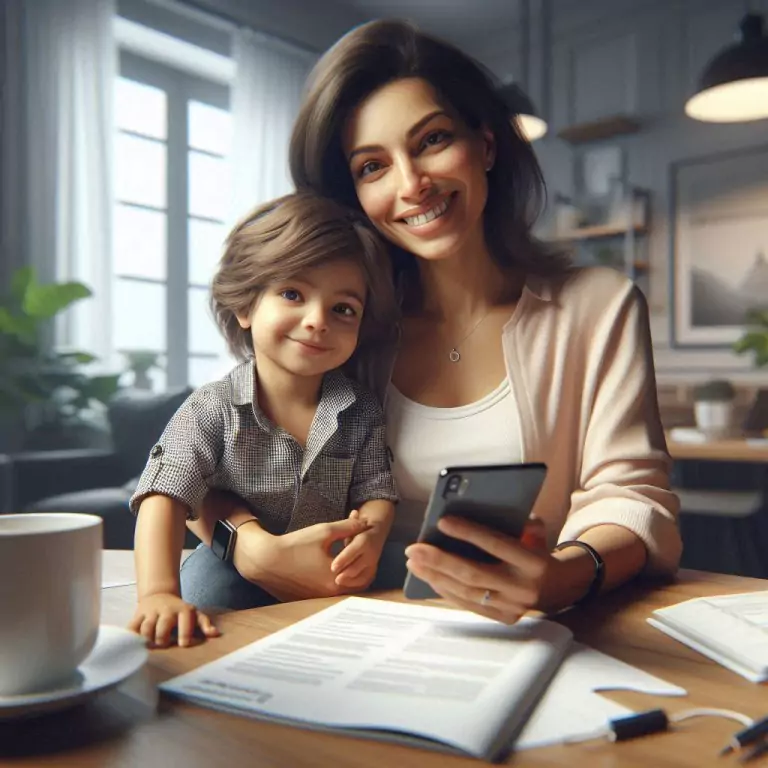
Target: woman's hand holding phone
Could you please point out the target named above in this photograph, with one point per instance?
(504, 590)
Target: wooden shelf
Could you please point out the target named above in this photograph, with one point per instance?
(596, 231)
(605, 128)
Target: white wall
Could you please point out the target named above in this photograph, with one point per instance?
(639, 57)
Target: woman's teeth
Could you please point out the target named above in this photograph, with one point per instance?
(425, 218)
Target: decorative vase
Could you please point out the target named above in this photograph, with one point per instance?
(713, 408)
(714, 418)
(141, 380)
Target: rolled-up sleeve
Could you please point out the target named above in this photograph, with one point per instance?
(625, 467)
(187, 453)
(372, 474)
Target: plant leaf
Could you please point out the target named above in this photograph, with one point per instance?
(751, 341)
(20, 281)
(79, 358)
(20, 326)
(48, 300)
(101, 388)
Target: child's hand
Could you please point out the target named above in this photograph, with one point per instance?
(355, 566)
(158, 615)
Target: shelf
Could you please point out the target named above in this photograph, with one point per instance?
(605, 128)
(597, 231)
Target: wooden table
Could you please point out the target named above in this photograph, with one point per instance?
(720, 450)
(130, 727)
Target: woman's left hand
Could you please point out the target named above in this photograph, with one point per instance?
(502, 591)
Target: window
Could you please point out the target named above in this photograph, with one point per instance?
(173, 187)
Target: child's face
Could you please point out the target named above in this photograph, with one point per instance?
(309, 325)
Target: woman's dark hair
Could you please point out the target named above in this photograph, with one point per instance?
(287, 236)
(380, 52)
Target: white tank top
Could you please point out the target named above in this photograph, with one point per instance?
(425, 440)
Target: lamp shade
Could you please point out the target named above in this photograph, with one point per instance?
(734, 86)
(521, 109)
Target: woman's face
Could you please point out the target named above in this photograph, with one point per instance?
(419, 172)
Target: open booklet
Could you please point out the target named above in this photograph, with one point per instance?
(730, 629)
(417, 674)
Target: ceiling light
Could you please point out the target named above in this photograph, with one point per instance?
(734, 86)
(522, 110)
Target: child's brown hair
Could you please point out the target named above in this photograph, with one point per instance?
(286, 236)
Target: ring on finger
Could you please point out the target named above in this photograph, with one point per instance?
(486, 598)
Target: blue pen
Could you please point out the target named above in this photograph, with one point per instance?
(748, 736)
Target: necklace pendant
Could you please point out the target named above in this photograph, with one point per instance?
(454, 355)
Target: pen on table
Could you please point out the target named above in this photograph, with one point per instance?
(756, 751)
(748, 736)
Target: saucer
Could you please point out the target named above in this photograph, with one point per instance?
(117, 654)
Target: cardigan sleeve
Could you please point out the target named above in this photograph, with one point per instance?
(625, 467)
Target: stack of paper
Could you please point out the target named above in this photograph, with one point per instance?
(730, 629)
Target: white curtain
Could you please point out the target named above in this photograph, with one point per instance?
(265, 99)
(70, 62)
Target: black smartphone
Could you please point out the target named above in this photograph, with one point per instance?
(499, 496)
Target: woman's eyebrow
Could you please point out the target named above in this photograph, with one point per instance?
(414, 129)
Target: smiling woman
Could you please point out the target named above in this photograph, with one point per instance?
(505, 354)
(393, 112)
(424, 186)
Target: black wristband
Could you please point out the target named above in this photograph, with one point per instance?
(599, 577)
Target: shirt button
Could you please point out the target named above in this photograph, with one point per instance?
(157, 450)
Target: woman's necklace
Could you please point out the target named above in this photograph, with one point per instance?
(454, 356)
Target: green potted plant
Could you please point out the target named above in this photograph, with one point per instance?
(754, 341)
(140, 363)
(713, 407)
(44, 393)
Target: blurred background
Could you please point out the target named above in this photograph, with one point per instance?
(134, 132)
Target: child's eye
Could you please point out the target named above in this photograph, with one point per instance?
(289, 294)
(346, 310)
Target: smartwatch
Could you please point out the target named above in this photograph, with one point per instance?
(223, 541)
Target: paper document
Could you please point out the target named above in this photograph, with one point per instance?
(572, 707)
(730, 629)
(445, 677)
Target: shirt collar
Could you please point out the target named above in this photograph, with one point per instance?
(243, 382)
(337, 389)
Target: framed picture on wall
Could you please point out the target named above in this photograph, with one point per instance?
(719, 245)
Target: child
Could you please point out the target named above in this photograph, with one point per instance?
(303, 290)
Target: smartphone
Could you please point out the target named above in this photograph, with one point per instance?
(499, 496)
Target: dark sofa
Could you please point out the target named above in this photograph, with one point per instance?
(96, 481)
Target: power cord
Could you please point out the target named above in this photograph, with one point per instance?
(656, 721)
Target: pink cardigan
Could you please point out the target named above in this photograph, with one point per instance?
(579, 359)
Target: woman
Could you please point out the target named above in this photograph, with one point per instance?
(506, 354)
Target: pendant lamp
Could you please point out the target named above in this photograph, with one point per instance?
(734, 86)
(521, 108)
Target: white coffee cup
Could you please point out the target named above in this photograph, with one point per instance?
(50, 598)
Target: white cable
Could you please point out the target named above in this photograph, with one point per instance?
(714, 712)
(688, 714)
